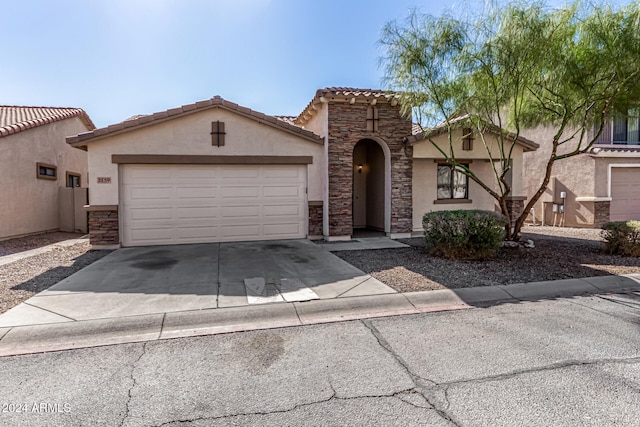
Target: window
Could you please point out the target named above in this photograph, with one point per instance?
(73, 179)
(46, 171)
(452, 184)
(625, 128)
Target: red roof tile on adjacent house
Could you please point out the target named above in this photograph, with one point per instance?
(14, 119)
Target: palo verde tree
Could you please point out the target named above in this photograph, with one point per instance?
(515, 67)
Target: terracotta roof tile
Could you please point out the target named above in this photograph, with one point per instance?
(287, 119)
(351, 91)
(14, 119)
(331, 93)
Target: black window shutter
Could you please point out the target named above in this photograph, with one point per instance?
(217, 133)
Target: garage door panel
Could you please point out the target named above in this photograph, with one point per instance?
(625, 194)
(281, 191)
(196, 192)
(152, 176)
(148, 192)
(212, 203)
(197, 233)
(281, 172)
(281, 229)
(237, 192)
(239, 173)
(241, 211)
(192, 212)
(144, 214)
(151, 235)
(282, 210)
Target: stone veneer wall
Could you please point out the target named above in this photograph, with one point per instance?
(347, 125)
(315, 218)
(515, 207)
(601, 213)
(103, 227)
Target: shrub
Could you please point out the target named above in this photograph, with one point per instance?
(464, 234)
(622, 238)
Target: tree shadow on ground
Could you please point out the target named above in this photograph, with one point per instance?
(553, 258)
(54, 275)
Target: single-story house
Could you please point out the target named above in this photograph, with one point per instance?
(589, 189)
(215, 171)
(41, 175)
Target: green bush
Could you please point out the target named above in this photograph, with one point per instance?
(622, 238)
(464, 234)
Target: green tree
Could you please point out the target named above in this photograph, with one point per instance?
(515, 67)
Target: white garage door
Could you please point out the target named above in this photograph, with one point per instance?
(173, 204)
(625, 194)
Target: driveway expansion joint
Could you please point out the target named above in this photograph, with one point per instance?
(49, 311)
(164, 316)
(367, 277)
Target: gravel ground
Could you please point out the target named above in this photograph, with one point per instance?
(21, 244)
(22, 279)
(559, 253)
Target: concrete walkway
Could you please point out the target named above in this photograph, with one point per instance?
(151, 293)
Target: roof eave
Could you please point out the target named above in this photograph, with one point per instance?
(81, 140)
(525, 143)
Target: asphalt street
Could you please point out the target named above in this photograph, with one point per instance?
(573, 361)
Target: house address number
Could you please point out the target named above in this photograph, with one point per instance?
(104, 180)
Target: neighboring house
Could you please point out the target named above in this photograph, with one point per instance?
(35, 163)
(599, 186)
(215, 171)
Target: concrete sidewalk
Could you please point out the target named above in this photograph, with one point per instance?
(126, 329)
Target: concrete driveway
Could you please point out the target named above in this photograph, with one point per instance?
(162, 279)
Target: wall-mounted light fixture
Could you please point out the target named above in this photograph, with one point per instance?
(360, 168)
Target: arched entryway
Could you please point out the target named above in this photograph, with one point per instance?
(371, 168)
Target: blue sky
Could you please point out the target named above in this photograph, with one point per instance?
(117, 58)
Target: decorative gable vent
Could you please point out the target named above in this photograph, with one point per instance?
(217, 133)
(372, 119)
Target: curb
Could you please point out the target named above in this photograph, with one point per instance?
(20, 340)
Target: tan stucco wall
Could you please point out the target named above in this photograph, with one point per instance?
(576, 176)
(190, 135)
(28, 204)
(425, 190)
(319, 124)
(425, 174)
(426, 150)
